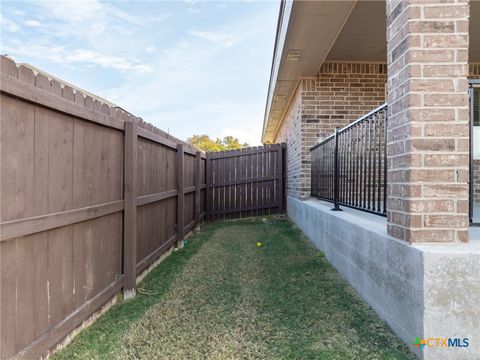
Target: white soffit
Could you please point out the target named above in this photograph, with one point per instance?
(364, 36)
(311, 32)
(308, 30)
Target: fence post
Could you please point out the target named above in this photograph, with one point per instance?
(208, 199)
(198, 164)
(336, 207)
(130, 210)
(180, 197)
(279, 176)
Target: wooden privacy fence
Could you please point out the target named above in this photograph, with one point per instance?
(90, 197)
(246, 182)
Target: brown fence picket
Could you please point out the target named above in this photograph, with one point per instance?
(246, 182)
(98, 197)
(102, 196)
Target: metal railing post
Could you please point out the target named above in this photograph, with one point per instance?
(345, 169)
(336, 176)
(470, 163)
(385, 161)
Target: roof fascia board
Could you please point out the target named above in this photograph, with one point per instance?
(282, 27)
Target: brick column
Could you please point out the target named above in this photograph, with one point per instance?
(428, 145)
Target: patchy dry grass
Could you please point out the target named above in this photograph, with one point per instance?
(231, 299)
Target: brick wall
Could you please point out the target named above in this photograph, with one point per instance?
(340, 94)
(474, 71)
(291, 133)
(428, 144)
(476, 179)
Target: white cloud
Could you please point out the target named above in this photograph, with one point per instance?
(101, 24)
(73, 11)
(81, 11)
(17, 12)
(184, 91)
(251, 135)
(217, 37)
(232, 34)
(8, 24)
(180, 82)
(33, 23)
(157, 18)
(62, 55)
(106, 61)
(149, 49)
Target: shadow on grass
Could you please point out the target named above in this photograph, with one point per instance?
(320, 314)
(242, 289)
(100, 339)
(260, 290)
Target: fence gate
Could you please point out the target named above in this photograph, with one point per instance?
(246, 182)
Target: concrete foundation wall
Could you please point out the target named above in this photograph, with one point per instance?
(410, 287)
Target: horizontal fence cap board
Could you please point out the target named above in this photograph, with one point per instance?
(50, 85)
(44, 98)
(69, 105)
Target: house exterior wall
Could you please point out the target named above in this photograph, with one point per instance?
(340, 94)
(425, 289)
(291, 134)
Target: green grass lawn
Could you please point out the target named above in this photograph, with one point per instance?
(224, 297)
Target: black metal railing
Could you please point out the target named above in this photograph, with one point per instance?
(349, 167)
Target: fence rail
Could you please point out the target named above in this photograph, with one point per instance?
(246, 182)
(349, 167)
(91, 196)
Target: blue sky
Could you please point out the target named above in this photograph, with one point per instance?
(188, 67)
